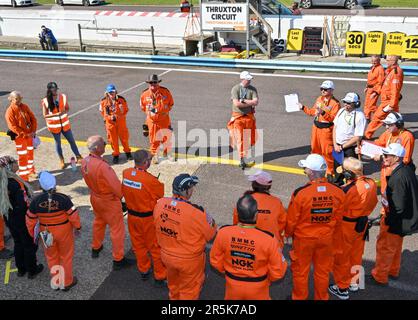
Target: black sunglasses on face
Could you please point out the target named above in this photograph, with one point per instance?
(324, 89)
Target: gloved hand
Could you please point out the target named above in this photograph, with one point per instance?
(388, 108)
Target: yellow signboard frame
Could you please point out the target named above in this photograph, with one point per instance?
(375, 41)
(354, 45)
(294, 40)
(394, 43)
(410, 47)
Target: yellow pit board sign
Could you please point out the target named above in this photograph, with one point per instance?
(410, 48)
(355, 43)
(294, 40)
(375, 41)
(394, 41)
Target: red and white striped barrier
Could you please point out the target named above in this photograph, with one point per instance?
(111, 13)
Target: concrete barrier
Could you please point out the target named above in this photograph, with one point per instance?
(169, 30)
(201, 62)
(169, 27)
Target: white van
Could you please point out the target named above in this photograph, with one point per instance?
(79, 2)
(17, 3)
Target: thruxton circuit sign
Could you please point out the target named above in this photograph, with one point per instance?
(224, 17)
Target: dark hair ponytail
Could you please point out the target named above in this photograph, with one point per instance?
(50, 99)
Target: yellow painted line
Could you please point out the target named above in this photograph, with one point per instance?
(9, 270)
(213, 160)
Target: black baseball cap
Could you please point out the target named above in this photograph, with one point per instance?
(183, 182)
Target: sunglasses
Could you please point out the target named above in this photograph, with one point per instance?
(325, 89)
(153, 82)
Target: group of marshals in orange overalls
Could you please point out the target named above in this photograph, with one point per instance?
(325, 224)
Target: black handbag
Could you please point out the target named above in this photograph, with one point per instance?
(11, 134)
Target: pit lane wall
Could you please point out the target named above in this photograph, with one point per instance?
(169, 27)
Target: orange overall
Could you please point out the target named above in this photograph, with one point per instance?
(388, 254)
(314, 212)
(114, 114)
(389, 95)
(141, 191)
(360, 201)
(375, 79)
(271, 215)
(60, 219)
(22, 121)
(250, 259)
(183, 229)
(157, 106)
(105, 198)
(321, 138)
(242, 130)
(403, 137)
(1, 233)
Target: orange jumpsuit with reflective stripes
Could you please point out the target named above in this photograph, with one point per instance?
(271, 215)
(157, 106)
(321, 138)
(389, 95)
(375, 79)
(312, 216)
(183, 229)
(360, 201)
(22, 121)
(403, 137)
(57, 120)
(141, 191)
(105, 198)
(250, 258)
(60, 219)
(114, 114)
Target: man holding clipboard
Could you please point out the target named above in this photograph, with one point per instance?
(349, 126)
(395, 133)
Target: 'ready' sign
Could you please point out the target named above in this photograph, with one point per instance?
(224, 17)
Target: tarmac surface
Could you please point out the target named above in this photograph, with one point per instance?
(372, 11)
(202, 100)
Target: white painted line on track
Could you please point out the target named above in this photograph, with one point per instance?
(274, 75)
(97, 103)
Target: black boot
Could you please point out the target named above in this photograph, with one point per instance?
(242, 164)
(146, 275)
(129, 156)
(95, 252)
(38, 270)
(75, 281)
(122, 264)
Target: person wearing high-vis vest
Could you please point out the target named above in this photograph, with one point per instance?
(55, 111)
(22, 126)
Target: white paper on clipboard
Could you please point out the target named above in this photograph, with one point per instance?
(369, 149)
(292, 101)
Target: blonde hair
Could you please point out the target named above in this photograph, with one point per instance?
(5, 174)
(13, 95)
(354, 165)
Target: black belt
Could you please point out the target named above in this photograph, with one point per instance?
(54, 225)
(350, 219)
(323, 125)
(245, 279)
(140, 214)
(366, 231)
